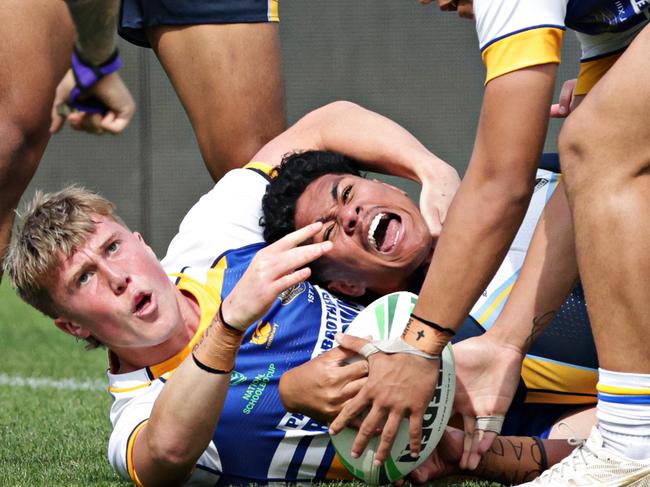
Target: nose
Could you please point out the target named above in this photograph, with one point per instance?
(117, 278)
(349, 218)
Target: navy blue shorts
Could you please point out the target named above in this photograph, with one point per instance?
(135, 15)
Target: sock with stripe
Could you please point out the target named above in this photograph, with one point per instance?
(623, 413)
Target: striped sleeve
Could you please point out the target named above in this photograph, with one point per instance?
(518, 34)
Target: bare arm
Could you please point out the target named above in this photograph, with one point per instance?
(186, 413)
(480, 226)
(96, 26)
(511, 460)
(376, 141)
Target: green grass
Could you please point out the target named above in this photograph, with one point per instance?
(56, 437)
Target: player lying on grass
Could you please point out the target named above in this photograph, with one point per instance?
(74, 260)
(160, 439)
(379, 247)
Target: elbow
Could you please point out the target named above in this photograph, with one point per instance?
(172, 454)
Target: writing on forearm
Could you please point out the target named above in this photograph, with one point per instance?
(96, 24)
(511, 460)
(539, 325)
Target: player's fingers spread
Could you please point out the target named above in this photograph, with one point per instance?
(351, 409)
(415, 433)
(290, 280)
(388, 435)
(297, 237)
(369, 428)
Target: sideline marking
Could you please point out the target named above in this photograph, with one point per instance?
(47, 382)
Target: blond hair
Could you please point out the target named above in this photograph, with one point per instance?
(51, 228)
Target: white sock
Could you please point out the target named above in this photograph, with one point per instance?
(623, 413)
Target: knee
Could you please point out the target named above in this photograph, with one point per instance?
(21, 146)
(574, 148)
(224, 154)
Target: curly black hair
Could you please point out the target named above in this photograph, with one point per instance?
(291, 179)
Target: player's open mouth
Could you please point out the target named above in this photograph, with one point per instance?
(142, 304)
(384, 231)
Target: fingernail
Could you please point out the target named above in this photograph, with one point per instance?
(562, 110)
(376, 463)
(354, 454)
(415, 455)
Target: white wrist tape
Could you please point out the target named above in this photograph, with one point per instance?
(394, 345)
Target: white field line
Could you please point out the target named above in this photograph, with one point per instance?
(50, 383)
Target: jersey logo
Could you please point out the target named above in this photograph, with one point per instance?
(237, 378)
(292, 293)
(256, 388)
(540, 183)
(264, 334)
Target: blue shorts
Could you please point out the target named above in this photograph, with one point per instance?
(136, 15)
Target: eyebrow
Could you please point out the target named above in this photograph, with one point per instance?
(70, 284)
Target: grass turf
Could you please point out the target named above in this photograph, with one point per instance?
(56, 436)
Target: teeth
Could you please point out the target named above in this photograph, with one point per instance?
(373, 226)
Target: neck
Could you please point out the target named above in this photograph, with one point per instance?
(136, 358)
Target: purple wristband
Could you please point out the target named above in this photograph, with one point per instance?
(86, 76)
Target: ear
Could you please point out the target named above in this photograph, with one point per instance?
(347, 288)
(71, 328)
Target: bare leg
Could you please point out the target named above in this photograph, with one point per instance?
(579, 422)
(229, 79)
(36, 39)
(606, 161)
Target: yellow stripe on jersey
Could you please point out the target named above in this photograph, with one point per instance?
(521, 50)
(129, 453)
(260, 166)
(128, 389)
(337, 470)
(592, 71)
(557, 383)
(274, 13)
(495, 304)
(622, 390)
(209, 301)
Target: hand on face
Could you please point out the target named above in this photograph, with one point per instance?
(274, 269)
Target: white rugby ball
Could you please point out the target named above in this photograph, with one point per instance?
(383, 319)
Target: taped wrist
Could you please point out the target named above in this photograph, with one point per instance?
(394, 345)
(217, 349)
(86, 76)
(424, 337)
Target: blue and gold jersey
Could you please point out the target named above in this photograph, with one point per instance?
(279, 446)
(515, 34)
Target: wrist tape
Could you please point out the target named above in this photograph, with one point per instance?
(394, 345)
(424, 337)
(217, 349)
(86, 76)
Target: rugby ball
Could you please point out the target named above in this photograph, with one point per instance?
(383, 319)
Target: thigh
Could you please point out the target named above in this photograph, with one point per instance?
(36, 39)
(229, 79)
